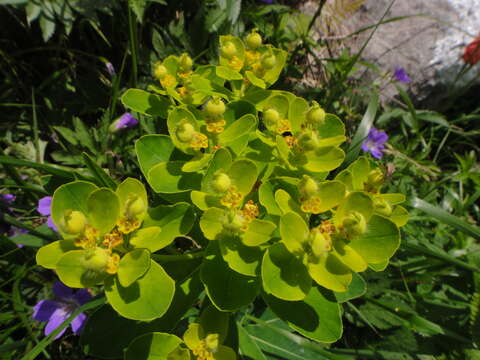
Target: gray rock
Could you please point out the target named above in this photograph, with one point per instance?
(429, 44)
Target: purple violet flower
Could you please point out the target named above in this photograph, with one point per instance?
(375, 142)
(55, 312)
(44, 208)
(267, 1)
(8, 198)
(125, 121)
(401, 75)
(110, 69)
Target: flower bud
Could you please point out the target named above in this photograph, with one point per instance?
(307, 186)
(375, 178)
(74, 222)
(271, 117)
(307, 142)
(185, 62)
(215, 107)
(269, 61)
(316, 115)
(320, 244)
(354, 223)
(160, 71)
(96, 259)
(185, 132)
(382, 207)
(228, 50)
(221, 182)
(254, 40)
(135, 206)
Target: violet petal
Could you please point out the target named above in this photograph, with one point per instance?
(44, 205)
(78, 323)
(44, 309)
(61, 291)
(57, 318)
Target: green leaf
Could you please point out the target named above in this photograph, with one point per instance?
(323, 159)
(83, 135)
(103, 209)
(71, 196)
(286, 203)
(48, 255)
(152, 150)
(243, 174)
(153, 346)
(238, 128)
(212, 222)
(174, 220)
(317, 317)
(294, 232)
(146, 103)
(168, 177)
(132, 266)
(330, 272)
(226, 73)
(399, 216)
(72, 272)
(213, 321)
(150, 238)
(266, 197)
(379, 242)
(146, 299)
(284, 275)
(248, 346)
(255, 80)
(258, 232)
(357, 288)
(239, 257)
(227, 289)
(48, 27)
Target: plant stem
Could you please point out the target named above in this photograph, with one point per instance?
(172, 258)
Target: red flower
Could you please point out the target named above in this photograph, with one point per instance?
(471, 55)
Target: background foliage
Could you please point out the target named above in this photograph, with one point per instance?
(58, 101)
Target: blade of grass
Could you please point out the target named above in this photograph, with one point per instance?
(103, 178)
(362, 131)
(51, 169)
(443, 216)
(35, 128)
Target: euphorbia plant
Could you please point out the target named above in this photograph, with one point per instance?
(249, 176)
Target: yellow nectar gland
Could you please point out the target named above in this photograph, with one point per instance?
(112, 264)
(235, 63)
(252, 57)
(311, 205)
(89, 238)
(250, 212)
(291, 141)
(185, 74)
(199, 141)
(283, 126)
(126, 225)
(216, 127)
(232, 198)
(258, 69)
(113, 239)
(168, 81)
(206, 348)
